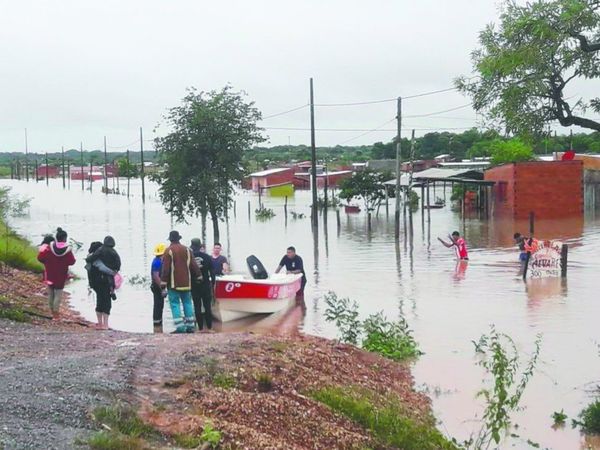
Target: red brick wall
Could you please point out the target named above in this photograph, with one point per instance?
(503, 190)
(551, 189)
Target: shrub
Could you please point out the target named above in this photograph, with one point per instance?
(344, 313)
(264, 213)
(393, 340)
(210, 436)
(559, 418)
(589, 418)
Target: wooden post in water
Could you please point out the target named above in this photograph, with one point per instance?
(398, 167)
(564, 252)
(313, 159)
(142, 166)
(531, 223)
(105, 168)
(128, 173)
(91, 174)
(27, 158)
(422, 199)
(428, 205)
(63, 165)
(47, 175)
(337, 218)
(249, 215)
(285, 206)
(234, 209)
(81, 154)
(36, 170)
(464, 196)
(69, 172)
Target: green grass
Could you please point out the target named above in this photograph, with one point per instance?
(224, 381)
(384, 418)
(188, 441)
(17, 252)
(209, 436)
(13, 313)
(124, 420)
(104, 440)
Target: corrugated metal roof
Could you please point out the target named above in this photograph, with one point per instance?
(267, 172)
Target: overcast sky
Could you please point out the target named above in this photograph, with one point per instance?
(76, 70)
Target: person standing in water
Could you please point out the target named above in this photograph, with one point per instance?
(202, 287)
(158, 293)
(56, 256)
(103, 283)
(526, 245)
(178, 269)
(219, 262)
(293, 264)
(459, 244)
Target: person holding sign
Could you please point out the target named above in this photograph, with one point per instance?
(526, 244)
(459, 244)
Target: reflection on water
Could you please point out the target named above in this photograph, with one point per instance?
(447, 304)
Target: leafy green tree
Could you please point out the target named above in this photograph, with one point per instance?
(202, 155)
(126, 168)
(367, 185)
(513, 150)
(525, 64)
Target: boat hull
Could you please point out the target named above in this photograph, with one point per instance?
(238, 297)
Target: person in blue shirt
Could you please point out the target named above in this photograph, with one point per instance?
(157, 292)
(293, 264)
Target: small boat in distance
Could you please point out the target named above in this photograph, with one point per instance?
(239, 295)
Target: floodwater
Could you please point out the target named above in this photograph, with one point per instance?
(448, 305)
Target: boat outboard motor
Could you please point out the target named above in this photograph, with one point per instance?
(256, 268)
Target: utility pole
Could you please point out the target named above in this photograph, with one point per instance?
(105, 169)
(63, 165)
(313, 158)
(571, 144)
(82, 177)
(398, 167)
(142, 166)
(128, 172)
(26, 157)
(47, 175)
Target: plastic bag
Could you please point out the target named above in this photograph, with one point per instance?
(118, 280)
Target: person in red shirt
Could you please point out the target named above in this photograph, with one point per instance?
(56, 257)
(459, 245)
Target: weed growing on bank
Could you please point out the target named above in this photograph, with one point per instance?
(501, 360)
(391, 339)
(384, 417)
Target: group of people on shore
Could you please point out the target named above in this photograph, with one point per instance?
(186, 277)
(183, 275)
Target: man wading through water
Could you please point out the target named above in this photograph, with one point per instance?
(202, 287)
(179, 267)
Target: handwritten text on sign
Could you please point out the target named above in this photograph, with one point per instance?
(546, 260)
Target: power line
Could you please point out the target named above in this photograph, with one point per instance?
(285, 112)
(437, 112)
(408, 97)
(365, 129)
(367, 132)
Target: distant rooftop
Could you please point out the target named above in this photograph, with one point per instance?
(264, 173)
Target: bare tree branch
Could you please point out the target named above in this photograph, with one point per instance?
(585, 45)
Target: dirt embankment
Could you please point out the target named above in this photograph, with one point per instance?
(255, 389)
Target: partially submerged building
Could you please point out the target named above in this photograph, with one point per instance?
(549, 189)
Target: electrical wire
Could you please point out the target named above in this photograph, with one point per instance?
(365, 129)
(367, 132)
(285, 112)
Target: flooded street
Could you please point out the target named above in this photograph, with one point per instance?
(448, 305)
